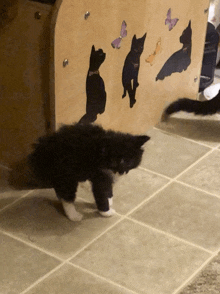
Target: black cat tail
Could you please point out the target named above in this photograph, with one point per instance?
(208, 107)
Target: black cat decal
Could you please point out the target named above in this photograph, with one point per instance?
(181, 59)
(131, 68)
(95, 88)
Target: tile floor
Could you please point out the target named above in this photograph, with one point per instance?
(167, 226)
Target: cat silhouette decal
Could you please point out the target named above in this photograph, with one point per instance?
(131, 68)
(95, 88)
(181, 59)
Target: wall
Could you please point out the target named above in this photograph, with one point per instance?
(74, 37)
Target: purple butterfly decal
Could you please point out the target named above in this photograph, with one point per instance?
(169, 21)
(117, 42)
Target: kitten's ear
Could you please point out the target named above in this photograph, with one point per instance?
(93, 48)
(140, 140)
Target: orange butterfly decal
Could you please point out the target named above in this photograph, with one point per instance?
(151, 58)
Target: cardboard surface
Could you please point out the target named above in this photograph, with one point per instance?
(74, 37)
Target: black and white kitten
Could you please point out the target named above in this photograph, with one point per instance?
(76, 153)
(208, 107)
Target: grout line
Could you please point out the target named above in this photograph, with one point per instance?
(179, 181)
(101, 277)
(170, 235)
(15, 201)
(198, 189)
(11, 235)
(42, 278)
(122, 217)
(153, 172)
(67, 261)
(148, 199)
(193, 164)
(186, 282)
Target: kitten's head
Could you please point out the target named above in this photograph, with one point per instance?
(123, 152)
(97, 57)
(137, 45)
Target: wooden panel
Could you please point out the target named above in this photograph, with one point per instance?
(24, 79)
(74, 37)
(29, 45)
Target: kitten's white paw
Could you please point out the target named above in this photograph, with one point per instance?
(76, 217)
(108, 213)
(71, 212)
(110, 201)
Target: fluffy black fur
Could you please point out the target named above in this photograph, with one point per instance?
(78, 152)
(208, 107)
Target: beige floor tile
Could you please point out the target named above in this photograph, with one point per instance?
(204, 130)
(130, 190)
(40, 219)
(141, 259)
(205, 174)
(186, 213)
(70, 280)
(21, 265)
(169, 155)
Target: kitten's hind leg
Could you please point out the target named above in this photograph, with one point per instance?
(102, 190)
(70, 211)
(67, 194)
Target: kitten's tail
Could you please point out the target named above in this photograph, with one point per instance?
(208, 107)
(21, 177)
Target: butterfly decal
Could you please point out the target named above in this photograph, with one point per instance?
(170, 22)
(117, 42)
(151, 58)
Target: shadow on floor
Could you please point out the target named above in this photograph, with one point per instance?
(195, 129)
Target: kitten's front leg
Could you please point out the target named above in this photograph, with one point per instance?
(102, 190)
(110, 201)
(108, 213)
